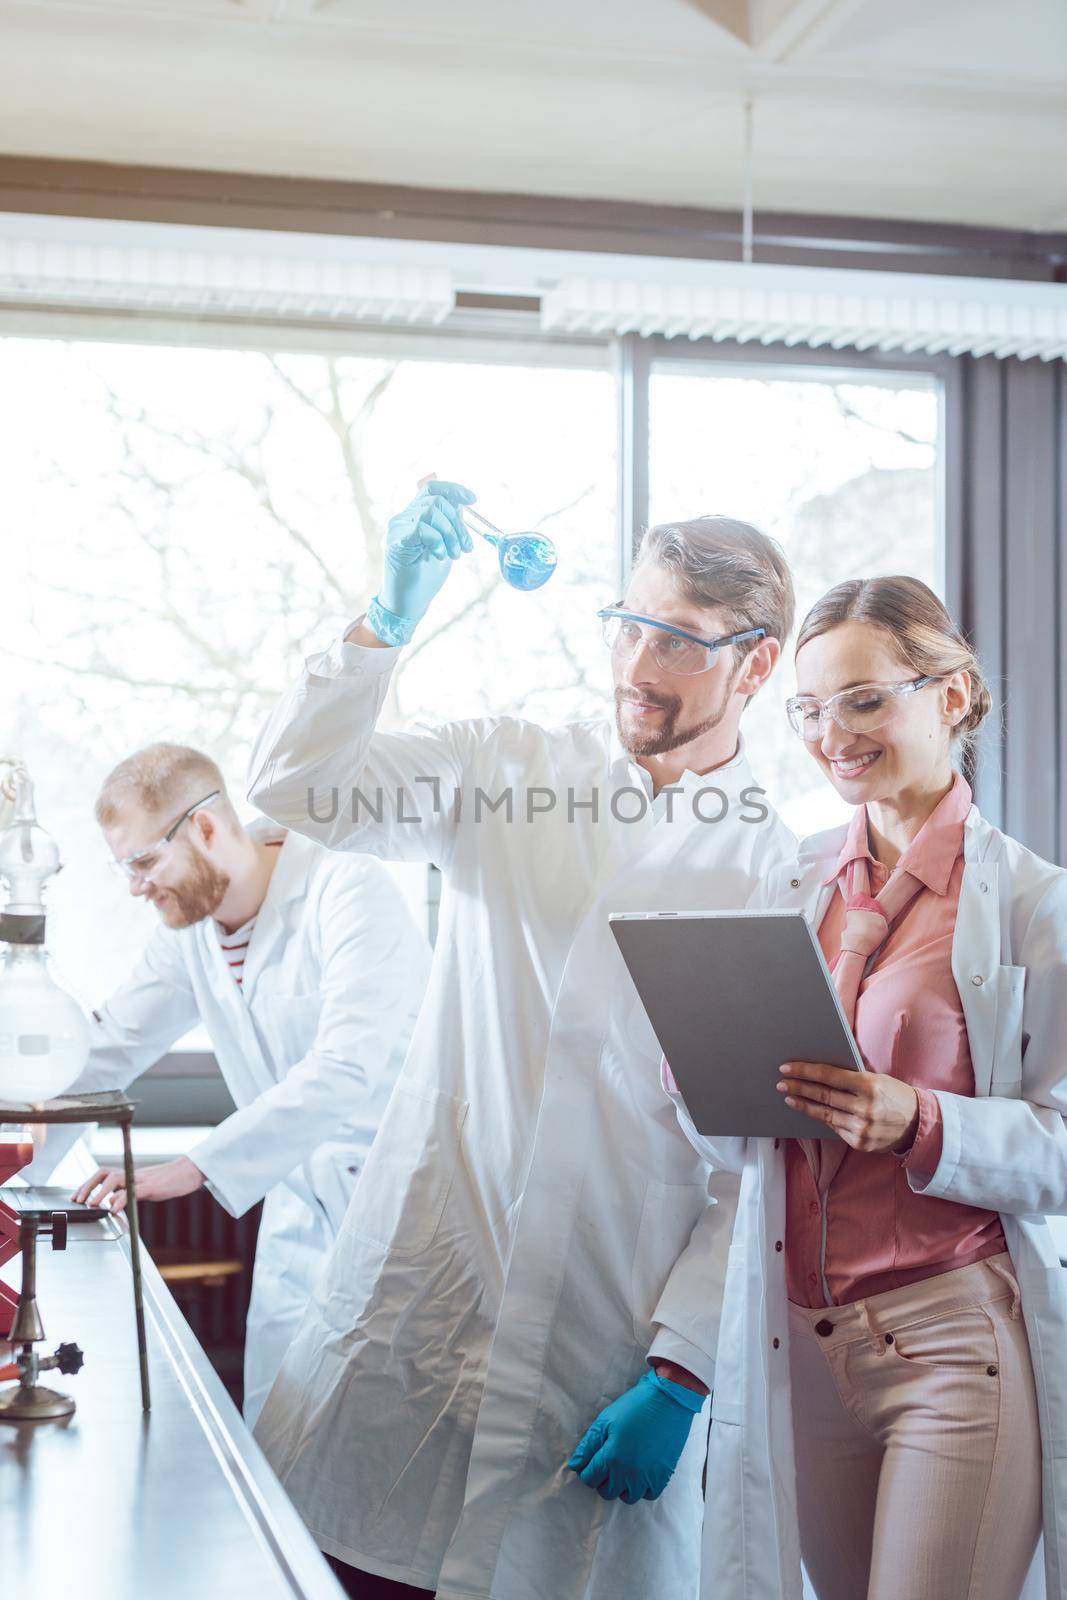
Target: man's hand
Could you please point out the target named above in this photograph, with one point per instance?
(168, 1181)
(633, 1447)
(870, 1110)
(421, 544)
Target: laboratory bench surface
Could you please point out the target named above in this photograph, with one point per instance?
(116, 1503)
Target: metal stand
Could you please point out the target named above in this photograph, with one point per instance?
(109, 1107)
(135, 1260)
(31, 1401)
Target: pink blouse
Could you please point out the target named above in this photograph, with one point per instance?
(909, 1021)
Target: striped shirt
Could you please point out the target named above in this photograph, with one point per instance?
(235, 945)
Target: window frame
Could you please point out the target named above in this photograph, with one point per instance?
(636, 359)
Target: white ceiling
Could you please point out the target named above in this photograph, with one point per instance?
(940, 110)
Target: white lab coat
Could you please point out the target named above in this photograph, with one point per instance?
(1005, 1150)
(530, 1222)
(309, 1048)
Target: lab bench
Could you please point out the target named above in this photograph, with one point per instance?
(204, 1255)
(114, 1503)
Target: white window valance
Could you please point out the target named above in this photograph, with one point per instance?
(130, 266)
(246, 283)
(887, 311)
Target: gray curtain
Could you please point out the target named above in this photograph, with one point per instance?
(1006, 504)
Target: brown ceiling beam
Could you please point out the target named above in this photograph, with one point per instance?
(312, 205)
(730, 15)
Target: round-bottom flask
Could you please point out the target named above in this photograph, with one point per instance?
(44, 1037)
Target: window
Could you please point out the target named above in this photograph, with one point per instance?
(186, 524)
(840, 466)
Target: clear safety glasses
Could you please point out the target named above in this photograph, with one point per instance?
(672, 649)
(144, 863)
(864, 709)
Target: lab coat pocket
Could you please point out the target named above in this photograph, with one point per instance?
(1043, 1292)
(333, 1171)
(409, 1171)
(668, 1217)
(1008, 1034)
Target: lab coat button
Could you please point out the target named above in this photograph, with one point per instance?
(977, 980)
(778, 1244)
(824, 1328)
(984, 888)
(775, 1342)
(794, 883)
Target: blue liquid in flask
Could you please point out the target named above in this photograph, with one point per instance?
(527, 560)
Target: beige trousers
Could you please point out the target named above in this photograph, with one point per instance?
(918, 1455)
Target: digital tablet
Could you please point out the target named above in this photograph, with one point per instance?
(731, 995)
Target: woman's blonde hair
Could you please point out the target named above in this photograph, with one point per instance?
(922, 632)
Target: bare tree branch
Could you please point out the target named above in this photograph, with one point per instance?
(116, 675)
(561, 511)
(349, 437)
(853, 414)
(257, 479)
(293, 387)
(464, 614)
(566, 650)
(162, 469)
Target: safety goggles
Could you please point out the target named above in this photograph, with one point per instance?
(672, 649)
(144, 862)
(863, 709)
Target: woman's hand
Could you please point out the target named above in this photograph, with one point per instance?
(870, 1110)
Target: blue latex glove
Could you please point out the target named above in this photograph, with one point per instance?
(422, 542)
(633, 1447)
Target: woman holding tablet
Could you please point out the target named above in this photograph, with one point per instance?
(890, 1400)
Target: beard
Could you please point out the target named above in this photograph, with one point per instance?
(199, 893)
(670, 735)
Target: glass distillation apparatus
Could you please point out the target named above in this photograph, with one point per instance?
(44, 1036)
(44, 1044)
